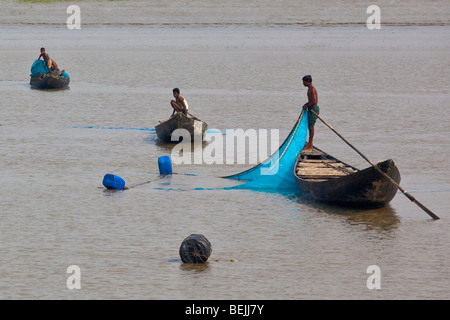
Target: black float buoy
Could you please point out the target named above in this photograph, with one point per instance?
(195, 249)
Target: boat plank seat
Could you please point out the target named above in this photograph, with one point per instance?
(323, 172)
(320, 177)
(312, 153)
(317, 160)
(322, 164)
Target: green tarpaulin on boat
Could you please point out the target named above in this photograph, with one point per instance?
(277, 172)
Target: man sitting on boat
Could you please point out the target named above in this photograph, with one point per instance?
(310, 105)
(42, 54)
(179, 104)
(51, 64)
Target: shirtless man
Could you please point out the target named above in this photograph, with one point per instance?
(179, 104)
(310, 105)
(51, 64)
(42, 54)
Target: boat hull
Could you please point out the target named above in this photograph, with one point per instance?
(366, 187)
(196, 128)
(49, 82)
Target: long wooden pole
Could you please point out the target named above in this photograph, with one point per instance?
(410, 197)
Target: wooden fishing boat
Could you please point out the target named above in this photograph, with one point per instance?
(196, 127)
(50, 80)
(324, 178)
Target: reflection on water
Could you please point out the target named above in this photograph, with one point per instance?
(195, 267)
(194, 146)
(113, 192)
(382, 218)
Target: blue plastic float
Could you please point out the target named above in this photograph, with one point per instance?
(111, 181)
(165, 165)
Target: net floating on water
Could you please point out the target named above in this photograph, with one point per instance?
(195, 249)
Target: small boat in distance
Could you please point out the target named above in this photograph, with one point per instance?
(324, 178)
(49, 81)
(42, 78)
(195, 127)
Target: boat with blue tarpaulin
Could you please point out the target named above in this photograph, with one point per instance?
(43, 78)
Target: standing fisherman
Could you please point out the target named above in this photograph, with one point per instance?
(310, 105)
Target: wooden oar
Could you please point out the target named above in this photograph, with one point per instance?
(410, 197)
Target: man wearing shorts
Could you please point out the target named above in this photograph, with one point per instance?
(310, 105)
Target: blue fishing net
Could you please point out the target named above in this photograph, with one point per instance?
(38, 66)
(277, 172)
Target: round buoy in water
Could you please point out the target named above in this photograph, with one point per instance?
(165, 165)
(111, 181)
(195, 249)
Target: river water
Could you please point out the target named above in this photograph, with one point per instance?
(239, 64)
